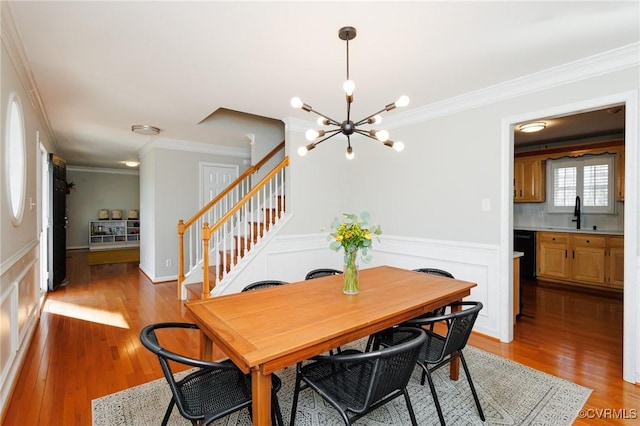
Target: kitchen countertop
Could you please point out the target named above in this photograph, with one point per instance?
(569, 230)
(517, 254)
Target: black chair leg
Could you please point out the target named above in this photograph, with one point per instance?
(276, 414)
(414, 422)
(435, 396)
(167, 413)
(294, 405)
(473, 389)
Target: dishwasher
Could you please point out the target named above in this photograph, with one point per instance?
(525, 241)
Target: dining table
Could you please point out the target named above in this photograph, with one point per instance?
(263, 331)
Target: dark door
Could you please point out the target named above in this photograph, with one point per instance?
(58, 239)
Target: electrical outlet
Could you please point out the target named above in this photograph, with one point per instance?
(168, 263)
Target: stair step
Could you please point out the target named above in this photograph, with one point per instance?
(270, 215)
(243, 243)
(194, 291)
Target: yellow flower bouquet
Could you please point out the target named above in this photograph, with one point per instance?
(353, 234)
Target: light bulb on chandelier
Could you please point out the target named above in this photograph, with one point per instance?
(348, 127)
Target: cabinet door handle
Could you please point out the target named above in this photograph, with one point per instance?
(573, 254)
(588, 241)
(565, 254)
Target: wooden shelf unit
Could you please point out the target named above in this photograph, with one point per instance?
(114, 234)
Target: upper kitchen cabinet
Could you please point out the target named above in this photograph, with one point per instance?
(528, 180)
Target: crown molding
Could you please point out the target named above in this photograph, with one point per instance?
(593, 66)
(13, 44)
(189, 146)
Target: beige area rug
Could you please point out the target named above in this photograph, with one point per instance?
(510, 394)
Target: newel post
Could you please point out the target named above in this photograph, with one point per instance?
(180, 257)
(206, 289)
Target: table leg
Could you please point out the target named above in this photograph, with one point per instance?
(206, 347)
(454, 366)
(261, 394)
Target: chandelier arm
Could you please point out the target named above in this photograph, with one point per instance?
(334, 132)
(331, 120)
(365, 133)
(364, 120)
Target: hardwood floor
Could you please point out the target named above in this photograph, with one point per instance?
(87, 346)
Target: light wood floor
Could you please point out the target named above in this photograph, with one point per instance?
(86, 345)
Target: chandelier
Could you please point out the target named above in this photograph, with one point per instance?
(348, 127)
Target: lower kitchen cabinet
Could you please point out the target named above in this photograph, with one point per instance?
(588, 259)
(616, 262)
(553, 255)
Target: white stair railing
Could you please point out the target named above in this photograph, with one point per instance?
(190, 248)
(243, 226)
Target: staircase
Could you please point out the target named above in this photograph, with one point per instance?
(207, 254)
(244, 243)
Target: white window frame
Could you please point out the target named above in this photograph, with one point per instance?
(15, 158)
(580, 163)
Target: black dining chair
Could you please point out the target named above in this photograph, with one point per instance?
(435, 271)
(321, 272)
(356, 383)
(440, 273)
(442, 349)
(209, 391)
(263, 284)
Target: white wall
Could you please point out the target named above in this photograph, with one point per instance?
(19, 245)
(170, 191)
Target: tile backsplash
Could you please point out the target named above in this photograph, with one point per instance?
(536, 215)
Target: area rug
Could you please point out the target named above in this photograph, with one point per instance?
(510, 394)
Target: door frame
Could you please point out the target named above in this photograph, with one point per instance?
(631, 317)
(43, 216)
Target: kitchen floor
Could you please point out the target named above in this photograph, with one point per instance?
(583, 322)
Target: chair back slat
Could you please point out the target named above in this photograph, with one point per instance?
(395, 365)
(460, 325)
(321, 272)
(263, 284)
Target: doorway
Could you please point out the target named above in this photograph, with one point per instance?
(44, 224)
(630, 293)
(58, 236)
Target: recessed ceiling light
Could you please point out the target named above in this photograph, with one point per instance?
(132, 163)
(533, 127)
(145, 129)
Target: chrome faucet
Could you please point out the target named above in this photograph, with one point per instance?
(576, 212)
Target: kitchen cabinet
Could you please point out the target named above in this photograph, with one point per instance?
(553, 255)
(586, 259)
(113, 234)
(528, 180)
(615, 262)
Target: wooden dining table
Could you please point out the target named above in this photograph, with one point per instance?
(265, 330)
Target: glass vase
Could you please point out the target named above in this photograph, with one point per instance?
(350, 285)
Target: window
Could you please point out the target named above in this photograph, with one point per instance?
(15, 160)
(590, 177)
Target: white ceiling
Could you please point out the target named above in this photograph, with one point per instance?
(102, 66)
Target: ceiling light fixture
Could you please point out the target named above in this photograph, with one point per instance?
(145, 129)
(348, 127)
(132, 163)
(533, 127)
